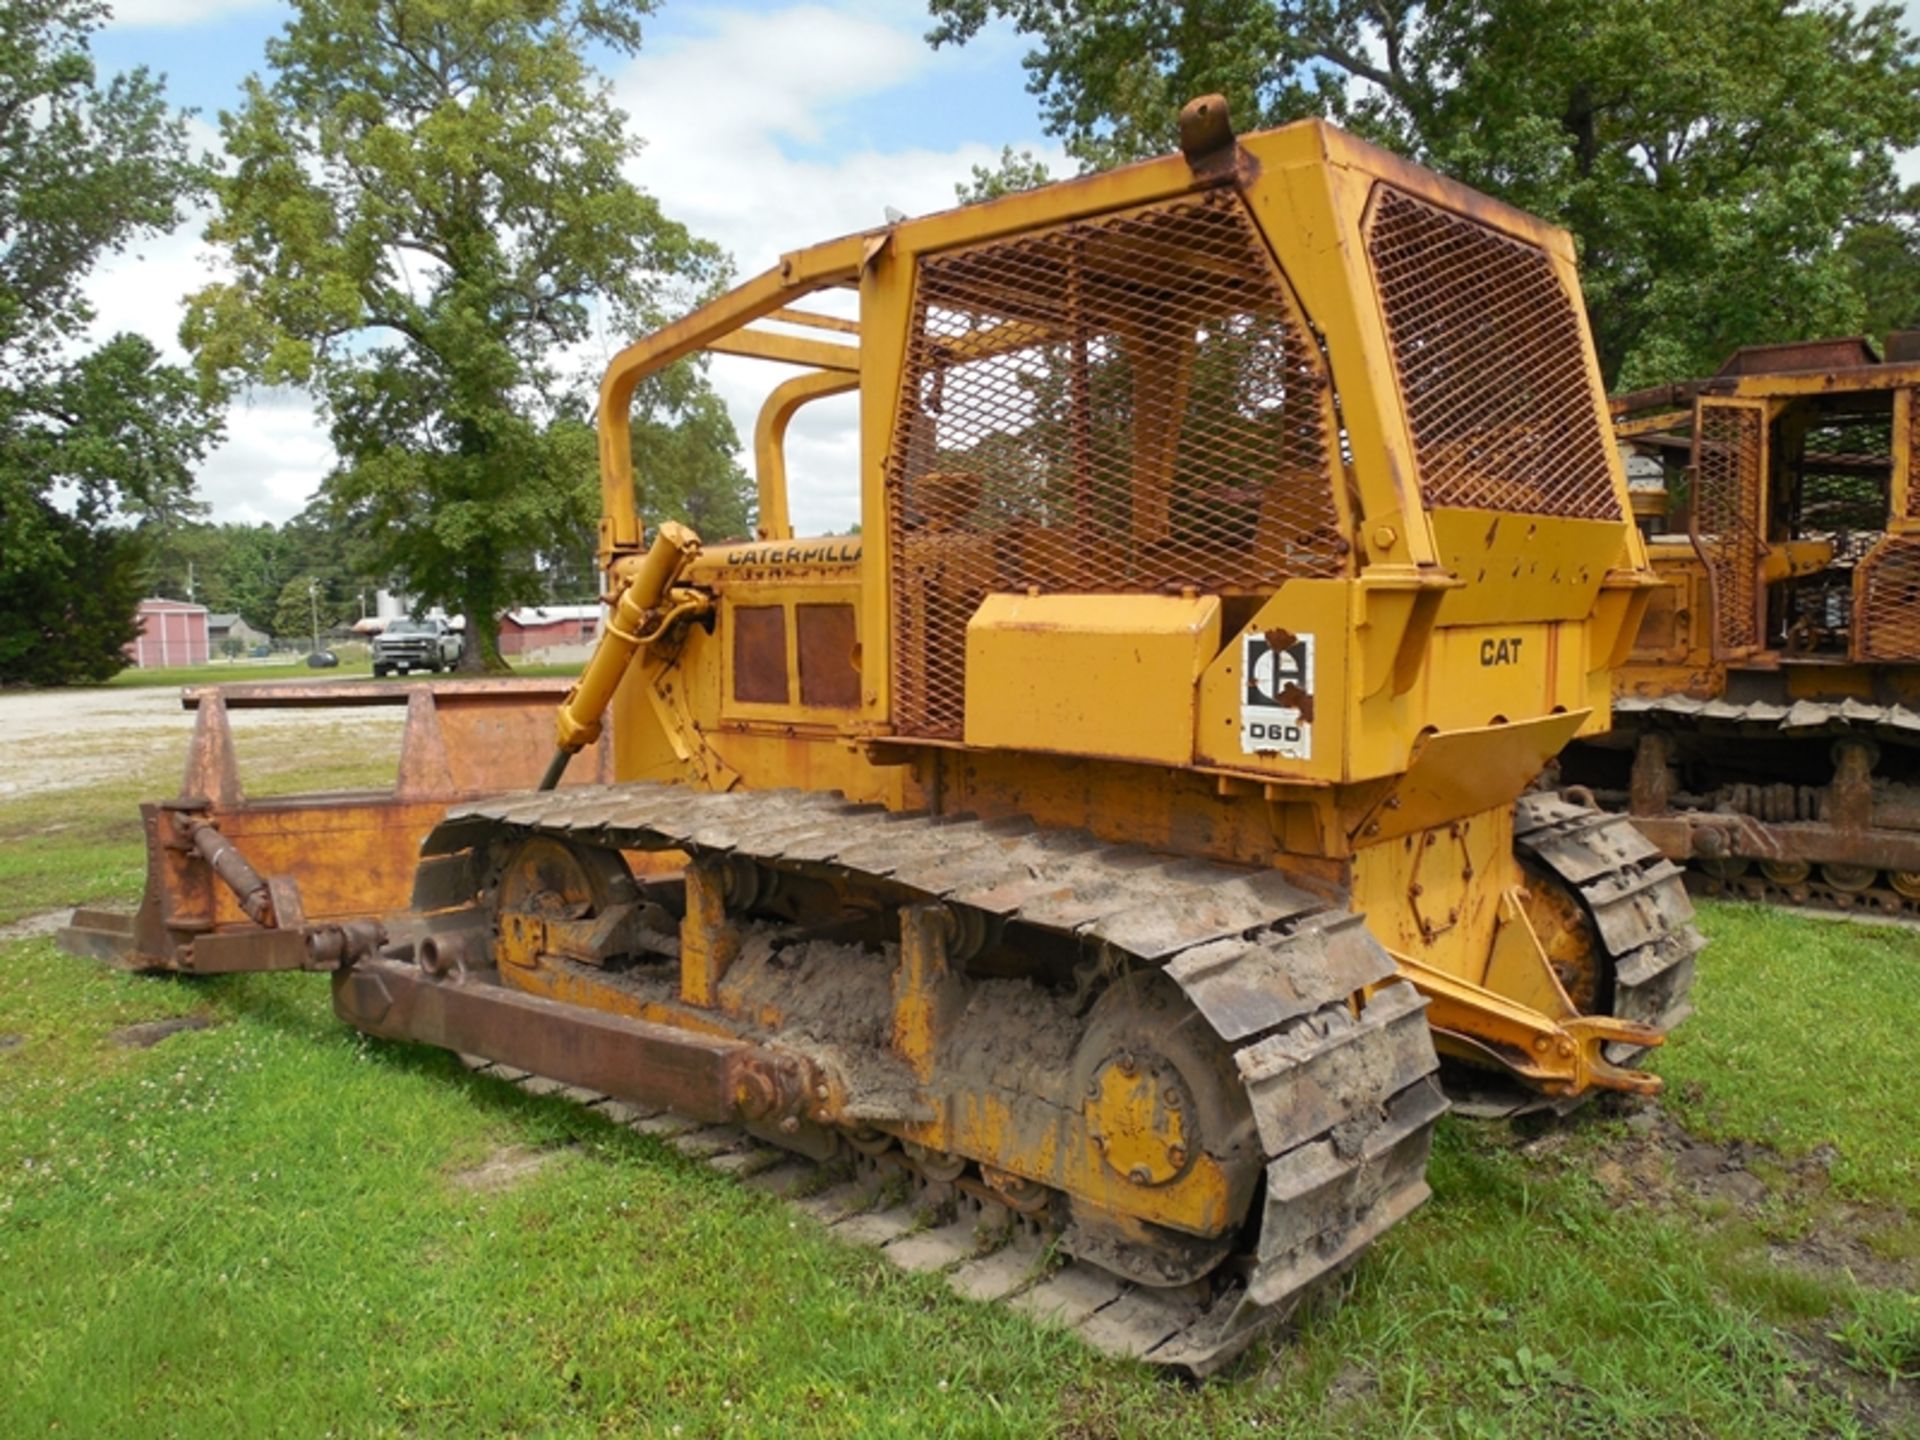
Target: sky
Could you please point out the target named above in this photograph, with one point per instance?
(768, 125)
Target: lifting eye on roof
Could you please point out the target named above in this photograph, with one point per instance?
(1205, 129)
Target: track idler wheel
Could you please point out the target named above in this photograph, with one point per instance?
(1159, 1096)
(1566, 934)
(558, 881)
(1905, 882)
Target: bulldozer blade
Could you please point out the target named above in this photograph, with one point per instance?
(348, 855)
(105, 935)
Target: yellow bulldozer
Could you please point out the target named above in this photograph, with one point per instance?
(1109, 839)
(1768, 714)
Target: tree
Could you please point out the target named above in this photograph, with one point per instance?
(426, 206)
(685, 449)
(1710, 156)
(302, 607)
(1017, 170)
(1886, 261)
(90, 439)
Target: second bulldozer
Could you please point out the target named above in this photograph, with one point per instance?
(1110, 832)
(1769, 711)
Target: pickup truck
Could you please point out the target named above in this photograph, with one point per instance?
(415, 645)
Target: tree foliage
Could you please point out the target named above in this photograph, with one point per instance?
(1016, 170)
(684, 455)
(90, 438)
(1712, 157)
(426, 209)
(244, 569)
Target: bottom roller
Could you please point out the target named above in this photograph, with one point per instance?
(1204, 1087)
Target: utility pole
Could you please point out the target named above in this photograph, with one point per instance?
(313, 602)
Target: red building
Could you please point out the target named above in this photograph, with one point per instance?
(535, 627)
(172, 632)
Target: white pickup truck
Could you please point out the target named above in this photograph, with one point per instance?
(415, 645)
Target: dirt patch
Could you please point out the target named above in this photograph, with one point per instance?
(1354, 1385)
(1659, 1162)
(151, 1032)
(65, 739)
(33, 927)
(11, 1042)
(1882, 1408)
(506, 1167)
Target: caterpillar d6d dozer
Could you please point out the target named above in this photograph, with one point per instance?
(1768, 717)
(1103, 837)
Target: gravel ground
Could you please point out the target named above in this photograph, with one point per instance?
(60, 739)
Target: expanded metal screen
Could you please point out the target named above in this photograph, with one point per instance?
(1839, 484)
(1729, 450)
(1491, 363)
(1913, 454)
(1888, 624)
(1133, 404)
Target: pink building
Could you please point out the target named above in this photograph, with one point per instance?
(535, 627)
(172, 632)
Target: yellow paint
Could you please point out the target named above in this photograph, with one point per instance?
(1199, 1202)
(708, 943)
(1673, 649)
(1138, 1124)
(926, 994)
(1089, 674)
(1453, 655)
(1461, 869)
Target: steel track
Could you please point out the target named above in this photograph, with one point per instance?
(1344, 1103)
(1636, 897)
(1808, 720)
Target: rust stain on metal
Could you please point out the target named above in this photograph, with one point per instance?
(824, 641)
(760, 654)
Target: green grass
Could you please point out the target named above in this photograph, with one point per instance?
(1798, 1042)
(238, 673)
(357, 667)
(258, 1227)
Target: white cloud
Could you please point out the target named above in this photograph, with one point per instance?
(722, 113)
(143, 289)
(274, 456)
(177, 14)
(739, 117)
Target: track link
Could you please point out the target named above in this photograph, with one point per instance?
(1638, 901)
(1343, 1097)
(1875, 902)
(1811, 722)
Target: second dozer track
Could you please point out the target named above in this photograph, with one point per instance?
(1204, 1026)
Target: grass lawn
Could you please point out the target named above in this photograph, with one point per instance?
(270, 1225)
(243, 672)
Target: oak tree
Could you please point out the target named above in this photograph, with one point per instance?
(429, 222)
(94, 437)
(1712, 157)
